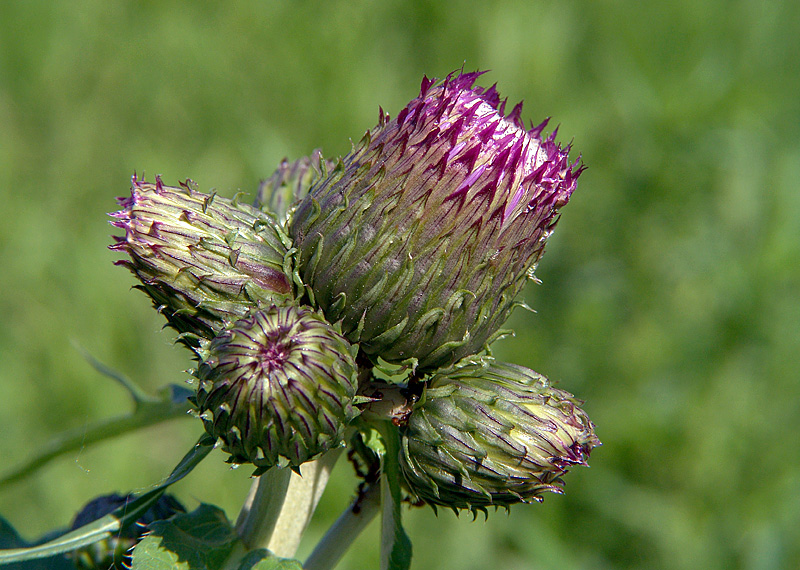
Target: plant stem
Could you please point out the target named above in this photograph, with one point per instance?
(345, 530)
(262, 507)
(395, 544)
(301, 501)
(280, 504)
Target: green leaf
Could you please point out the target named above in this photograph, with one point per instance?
(373, 440)
(8, 536)
(201, 540)
(10, 539)
(106, 526)
(137, 394)
(262, 559)
(395, 544)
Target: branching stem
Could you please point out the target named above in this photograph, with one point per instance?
(345, 530)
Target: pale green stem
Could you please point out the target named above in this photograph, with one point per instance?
(262, 507)
(345, 530)
(280, 504)
(300, 503)
(388, 521)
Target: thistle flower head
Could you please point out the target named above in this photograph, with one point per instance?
(492, 434)
(280, 193)
(204, 260)
(420, 239)
(277, 387)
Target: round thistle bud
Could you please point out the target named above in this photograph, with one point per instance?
(279, 384)
(204, 260)
(289, 184)
(114, 553)
(420, 239)
(492, 434)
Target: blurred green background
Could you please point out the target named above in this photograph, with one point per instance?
(671, 289)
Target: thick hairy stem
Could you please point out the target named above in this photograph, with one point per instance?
(345, 530)
(280, 505)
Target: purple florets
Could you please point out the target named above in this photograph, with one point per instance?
(421, 238)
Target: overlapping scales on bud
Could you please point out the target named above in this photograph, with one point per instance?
(492, 434)
(421, 238)
(280, 193)
(203, 259)
(277, 387)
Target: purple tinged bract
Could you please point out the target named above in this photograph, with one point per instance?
(204, 260)
(277, 387)
(422, 237)
(490, 433)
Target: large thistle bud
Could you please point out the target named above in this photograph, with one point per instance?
(280, 193)
(204, 260)
(277, 388)
(421, 238)
(492, 434)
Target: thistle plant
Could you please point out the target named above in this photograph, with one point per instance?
(352, 306)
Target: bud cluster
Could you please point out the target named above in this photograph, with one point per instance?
(411, 250)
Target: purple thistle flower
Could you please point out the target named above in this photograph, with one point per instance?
(421, 238)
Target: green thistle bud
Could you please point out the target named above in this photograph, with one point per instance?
(204, 260)
(289, 184)
(114, 553)
(492, 434)
(277, 387)
(421, 238)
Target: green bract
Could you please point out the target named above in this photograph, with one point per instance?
(277, 387)
(420, 239)
(280, 193)
(204, 260)
(492, 434)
